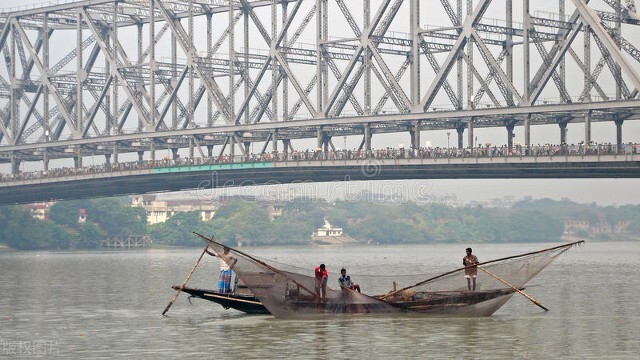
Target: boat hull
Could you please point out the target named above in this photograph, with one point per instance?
(449, 304)
(246, 303)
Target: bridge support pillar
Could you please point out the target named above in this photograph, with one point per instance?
(460, 130)
(286, 143)
(587, 127)
(319, 138)
(563, 132)
(209, 150)
(190, 148)
(115, 154)
(107, 160)
(527, 132)
(619, 123)
(152, 151)
(415, 137)
(470, 139)
(15, 165)
(510, 135)
(325, 144)
(232, 148)
(45, 160)
(247, 153)
(141, 155)
(77, 158)
(274, 144)
(367, 139)
(174, 153)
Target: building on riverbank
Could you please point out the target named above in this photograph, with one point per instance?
(161, 210)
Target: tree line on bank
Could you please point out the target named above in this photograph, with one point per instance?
(253, 223)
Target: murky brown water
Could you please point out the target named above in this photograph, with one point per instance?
(108, 304)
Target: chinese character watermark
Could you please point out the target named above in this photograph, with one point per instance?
(28, 348)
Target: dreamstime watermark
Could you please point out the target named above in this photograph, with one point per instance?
(371, 168)
(307, 190)
(35, 348)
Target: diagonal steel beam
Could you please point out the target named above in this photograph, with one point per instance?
(114, 62)
(5, 32)
(274, 55)
(506, 86)
(385, 96)
(593, 78)
(454, 53)
(188, 48)
(30, 111)
(172, 97)
(557, 53)
(96, 106)
(393, 83)
(355, 58)
(347, 95)
(546, 63)
(591, 18)
(455, 20)
(247, 99)
(436, 67)
(486, 82)
(256, 21)
(45, 78)
(294, 81)
(307, 91)
(400, 105)
(350, 20)
(378, 33)
(615, 72)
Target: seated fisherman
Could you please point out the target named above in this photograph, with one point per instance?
(345, 281)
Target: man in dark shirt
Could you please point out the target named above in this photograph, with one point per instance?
(471, 270)
(345, 281)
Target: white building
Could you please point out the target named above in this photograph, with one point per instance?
(327, 230)
(159, 211)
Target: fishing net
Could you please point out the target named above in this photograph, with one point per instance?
(289, 292)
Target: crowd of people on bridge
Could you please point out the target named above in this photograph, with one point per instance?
(486, 150)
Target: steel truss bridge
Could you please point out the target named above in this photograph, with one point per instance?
(109, 77)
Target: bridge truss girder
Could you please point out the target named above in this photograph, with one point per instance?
(300, 67)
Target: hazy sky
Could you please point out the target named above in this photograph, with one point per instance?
(605, 191)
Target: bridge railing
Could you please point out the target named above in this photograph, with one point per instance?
(486, 151)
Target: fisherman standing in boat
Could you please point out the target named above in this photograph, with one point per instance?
(321, 281)
(226, 270)
(471, 271)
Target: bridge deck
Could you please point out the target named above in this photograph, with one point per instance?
(209, 176)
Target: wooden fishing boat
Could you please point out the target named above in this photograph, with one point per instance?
(245, 302)
(288, 294)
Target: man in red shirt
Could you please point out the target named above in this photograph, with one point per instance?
(321, 281)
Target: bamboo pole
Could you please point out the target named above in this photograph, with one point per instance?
(514, 288)
(179, 290)
(234, 299)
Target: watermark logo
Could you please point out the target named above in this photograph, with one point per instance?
(20, 348)
(395, 191)
(371, 168)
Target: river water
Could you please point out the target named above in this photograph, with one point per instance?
(108, 305)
